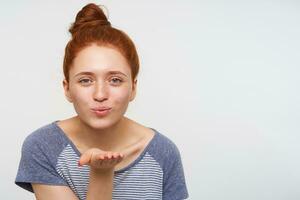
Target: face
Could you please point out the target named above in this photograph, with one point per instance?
(100, 86)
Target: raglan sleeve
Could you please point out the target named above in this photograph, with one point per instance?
(174, 187)
(35, 165)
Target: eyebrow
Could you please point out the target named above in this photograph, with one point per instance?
(109, 73)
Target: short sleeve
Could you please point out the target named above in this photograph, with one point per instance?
(35, 165)
(174, 180)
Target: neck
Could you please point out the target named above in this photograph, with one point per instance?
(109, 139)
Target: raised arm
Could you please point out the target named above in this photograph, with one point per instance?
(100, 182)
(50, 192)
(100, 188)
(102, 165)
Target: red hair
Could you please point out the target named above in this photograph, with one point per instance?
(92, 27)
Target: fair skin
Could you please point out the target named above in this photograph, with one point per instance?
(100, 76)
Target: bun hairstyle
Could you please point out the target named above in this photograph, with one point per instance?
(91, 26)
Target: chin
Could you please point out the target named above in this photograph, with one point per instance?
(103, 123)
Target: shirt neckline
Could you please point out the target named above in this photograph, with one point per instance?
(156, 134)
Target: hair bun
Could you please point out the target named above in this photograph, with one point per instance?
(90, 14)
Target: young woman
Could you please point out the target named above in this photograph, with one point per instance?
(100, 153)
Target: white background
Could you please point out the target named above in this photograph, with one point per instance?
(219, 78)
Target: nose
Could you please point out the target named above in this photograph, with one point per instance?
(100, 92)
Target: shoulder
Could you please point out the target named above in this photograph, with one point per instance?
(163, 149)
(164, 142)
(40, 152)
(45, 138)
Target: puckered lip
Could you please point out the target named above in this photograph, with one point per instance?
(100, 108)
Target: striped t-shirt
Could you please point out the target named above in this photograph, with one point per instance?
(49, 157)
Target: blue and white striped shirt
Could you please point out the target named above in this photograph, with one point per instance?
(49, 157)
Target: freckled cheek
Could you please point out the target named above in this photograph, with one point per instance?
(80, 98)
(120, 98)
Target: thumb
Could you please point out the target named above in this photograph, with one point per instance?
(85, 158)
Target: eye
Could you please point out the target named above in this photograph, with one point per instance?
(85, 81)
(116, 81)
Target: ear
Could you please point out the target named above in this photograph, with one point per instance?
(67, 90)
(133, 93)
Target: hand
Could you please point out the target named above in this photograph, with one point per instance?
(100, 160)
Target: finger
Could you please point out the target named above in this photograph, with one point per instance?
(101, 157)
(119, 159)
(109, 155)
(84, 159)
(105, 157)
(103, 163)
(98, 159)
(116, 160)
(116, 155)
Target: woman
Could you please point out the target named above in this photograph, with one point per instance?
(100, 153)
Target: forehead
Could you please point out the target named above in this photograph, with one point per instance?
(99, 60)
